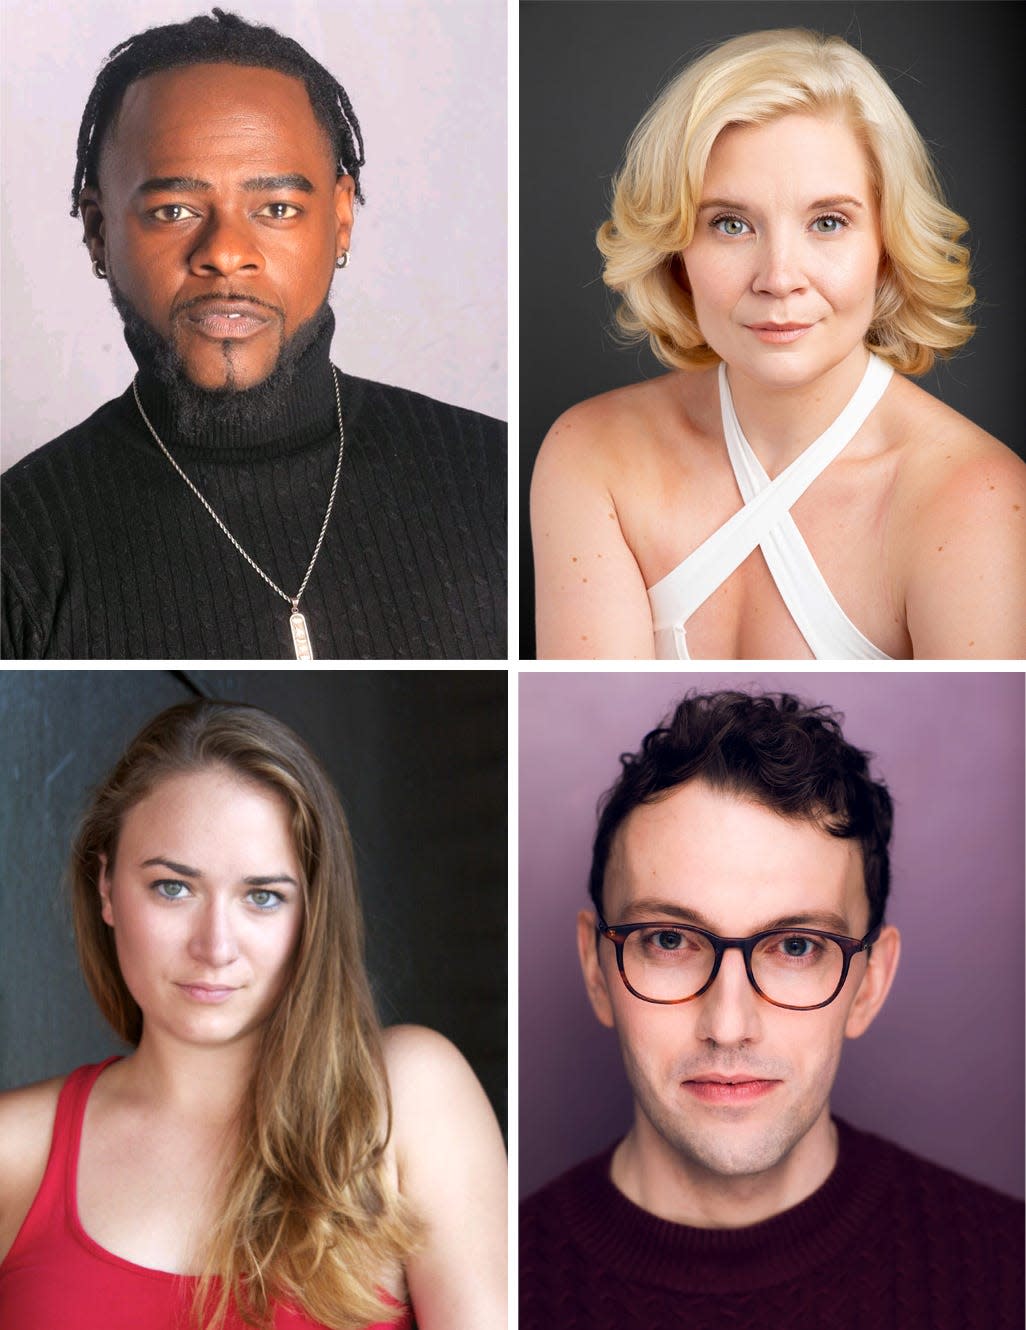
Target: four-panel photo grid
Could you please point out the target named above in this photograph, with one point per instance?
(513, 666)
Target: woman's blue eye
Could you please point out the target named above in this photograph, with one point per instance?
(264, 899)
(171, 891)
(834, 224)
(730, 226)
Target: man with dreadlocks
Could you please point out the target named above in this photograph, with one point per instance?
(243, 498)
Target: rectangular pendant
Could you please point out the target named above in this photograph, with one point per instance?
(300, 637)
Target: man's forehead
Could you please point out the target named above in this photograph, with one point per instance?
(188, 108)
(730, 863)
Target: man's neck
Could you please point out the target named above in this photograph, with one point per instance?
(661, 1179)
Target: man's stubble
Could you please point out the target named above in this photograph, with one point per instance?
(198, 411)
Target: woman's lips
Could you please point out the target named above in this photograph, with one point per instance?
(205, 993)
(720, 1092)
(768, 332)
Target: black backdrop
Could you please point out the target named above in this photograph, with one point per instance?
(419, 759)
(588, 71)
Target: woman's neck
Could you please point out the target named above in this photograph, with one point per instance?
(781, 422)
(201, 1087)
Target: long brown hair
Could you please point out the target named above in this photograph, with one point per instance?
(310, 1216)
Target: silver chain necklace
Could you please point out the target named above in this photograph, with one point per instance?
(297, 621)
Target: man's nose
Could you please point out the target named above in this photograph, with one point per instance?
(730, 1011)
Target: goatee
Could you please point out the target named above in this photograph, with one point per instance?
(197, 411)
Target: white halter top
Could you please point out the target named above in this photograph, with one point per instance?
(766, 521)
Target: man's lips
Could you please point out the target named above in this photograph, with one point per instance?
(716, 1089)
(227, 318)
(715, 1079)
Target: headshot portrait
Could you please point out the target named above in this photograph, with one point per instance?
(253, 402)
(252, 1048)
(767, 404)
(771, 1011)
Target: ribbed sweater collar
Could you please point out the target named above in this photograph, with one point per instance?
(303, 414)
(631, 1243)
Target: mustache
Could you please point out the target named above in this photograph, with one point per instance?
(221, 298)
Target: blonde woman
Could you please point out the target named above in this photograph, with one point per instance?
(265, 1155)
(786, 491)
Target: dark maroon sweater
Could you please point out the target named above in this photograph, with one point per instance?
(889, 1242)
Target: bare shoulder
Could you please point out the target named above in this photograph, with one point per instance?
(597, 430)
(419, 1061)
(26, 1128)
(945, 457)
(960, 509)
(452, 1171)
(434, 1092)
(26, 1121)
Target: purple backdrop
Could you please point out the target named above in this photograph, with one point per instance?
(941, 1071)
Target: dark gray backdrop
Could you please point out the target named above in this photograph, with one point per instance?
(419, 759)
(589, 70)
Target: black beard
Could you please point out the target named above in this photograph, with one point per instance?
(196, 410)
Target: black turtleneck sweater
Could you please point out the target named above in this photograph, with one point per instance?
(888, 1242)
(108, 555)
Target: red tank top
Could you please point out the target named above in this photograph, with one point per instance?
(56, 1275)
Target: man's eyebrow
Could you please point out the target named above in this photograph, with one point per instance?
(162, 184)
(654, 910)
(289, 181)
(187, 184)
(835, 201)
(184, 871)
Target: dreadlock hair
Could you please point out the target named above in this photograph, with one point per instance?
(227, 39)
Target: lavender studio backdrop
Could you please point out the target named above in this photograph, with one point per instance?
(423, 303)
(941, 1071)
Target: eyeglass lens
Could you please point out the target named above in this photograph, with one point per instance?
(794, 968)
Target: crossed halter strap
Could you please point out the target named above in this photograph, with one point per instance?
(766, 521)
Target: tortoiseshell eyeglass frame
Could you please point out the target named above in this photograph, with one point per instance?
(850, 947)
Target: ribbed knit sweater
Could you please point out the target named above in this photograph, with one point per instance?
(107, 554)
(888, 1242)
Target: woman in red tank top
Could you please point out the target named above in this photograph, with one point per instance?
(266, 1154)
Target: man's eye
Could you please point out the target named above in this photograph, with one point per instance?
(172, 212)
(281, 212)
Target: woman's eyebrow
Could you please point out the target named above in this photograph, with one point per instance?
(835, 201)
(184, 871)
(174, 867)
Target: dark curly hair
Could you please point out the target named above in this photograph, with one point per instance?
(224, 38)
(770, 748)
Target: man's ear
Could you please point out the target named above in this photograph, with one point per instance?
(594, 977)
(345, 197)
(876, 982)
(104, 885)
(93, 225)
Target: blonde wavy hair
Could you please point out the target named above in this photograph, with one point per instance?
(310, 1216)
(922, 301)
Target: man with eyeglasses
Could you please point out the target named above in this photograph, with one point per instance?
(739, 879)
